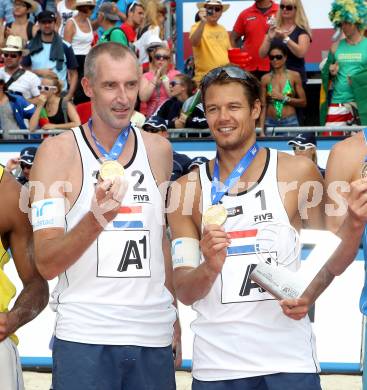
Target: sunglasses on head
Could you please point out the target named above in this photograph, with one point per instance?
(47, 88)
(151, 129)
(287, 7)
(216, 8)
(232, 72)
(302, 147)
(161, 57)
(11, 55)
(276, 57)
(20, 4)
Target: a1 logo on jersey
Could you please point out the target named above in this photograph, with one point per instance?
(124, 255)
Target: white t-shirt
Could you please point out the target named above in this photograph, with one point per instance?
(65, 14)
(27, 84)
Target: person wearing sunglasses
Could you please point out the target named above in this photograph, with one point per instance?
(209, 39)
(18, 80)
(181, 92)
(305, 144)
(243, 339)
(154, 85)
(291, 28)
(52, 111)
(21, 166)
(79, 33)
(281, 93)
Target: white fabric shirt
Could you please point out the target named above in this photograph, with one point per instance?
(27, 84)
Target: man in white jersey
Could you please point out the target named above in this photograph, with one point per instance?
(243, 340)
(105, 238)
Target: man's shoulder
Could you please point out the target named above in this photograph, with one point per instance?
(294, 168)
(356, 144)
(160, 144)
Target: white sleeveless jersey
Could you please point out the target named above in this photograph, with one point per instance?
(240, 330)
(114, 293)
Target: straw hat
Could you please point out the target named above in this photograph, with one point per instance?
(80, 3)
(32, 4)
(14, 43)
(213, 2)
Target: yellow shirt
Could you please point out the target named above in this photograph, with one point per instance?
(212, 50)
(7, 288)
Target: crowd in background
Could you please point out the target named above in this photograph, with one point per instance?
(44, 44)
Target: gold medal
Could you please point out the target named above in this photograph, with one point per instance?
(364, 171)
(110, 169)
(215, 215)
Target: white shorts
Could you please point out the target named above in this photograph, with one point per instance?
(11, 377)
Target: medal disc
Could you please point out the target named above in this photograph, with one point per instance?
(110, 169)
(215, 215)
(364, 171)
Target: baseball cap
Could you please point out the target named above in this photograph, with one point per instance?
(27, 155)
(195, 162)
(46, 16)
(108, 10)
(304, 139)
(155, 124)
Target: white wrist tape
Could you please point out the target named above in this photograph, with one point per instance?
(185, 252)
(48, 213)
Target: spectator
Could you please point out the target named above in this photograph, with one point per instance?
(135, 18)
(16, 247)
(107, 19)
(252, 25)
(50, 56)
(14, 109)
(281, 92)
(209, 40)
(305, 144)
(18, 80)
(181, 162)
(291, 28)
(65, 11)
(21, 25)
(347, 58)
(153, 30)
(24, 162)
(79, 33)
(154, 85)
(181, 89)
(53, 111)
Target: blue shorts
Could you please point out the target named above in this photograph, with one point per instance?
(280, 381)
(290, 121)
(79, 366)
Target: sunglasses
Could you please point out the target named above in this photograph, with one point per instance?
(85, 8)
(173, 83)
(302, 147)
(276, 57)
(23, 166)
(47, 88)
(232, 72)
(151, 129)
(288, 7)
(11, 55)
(217, 8)
(161, 57)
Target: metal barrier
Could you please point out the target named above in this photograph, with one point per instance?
(204, 133)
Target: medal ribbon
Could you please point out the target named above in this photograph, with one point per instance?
(217, 193)
(117, 147)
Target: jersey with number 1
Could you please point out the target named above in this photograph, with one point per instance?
(114, 293)
(240, 330)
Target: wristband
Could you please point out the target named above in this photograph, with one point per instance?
(185, 252)
(165, 78)
(286, 99)
(48, 213)
(286, 40)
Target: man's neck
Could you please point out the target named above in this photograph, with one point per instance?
(20, 20)
(264, 4)
(47, 38)
(11, 70)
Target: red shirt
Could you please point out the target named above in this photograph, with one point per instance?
(129, 32)
(252, 25)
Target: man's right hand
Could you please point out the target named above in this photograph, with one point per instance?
(202, 15)
(107, 199)
(4, 326)
(214, 244)
(334, 69)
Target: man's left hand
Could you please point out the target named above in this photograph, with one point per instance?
(5, 326)
(176, 344)
(295, 308)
